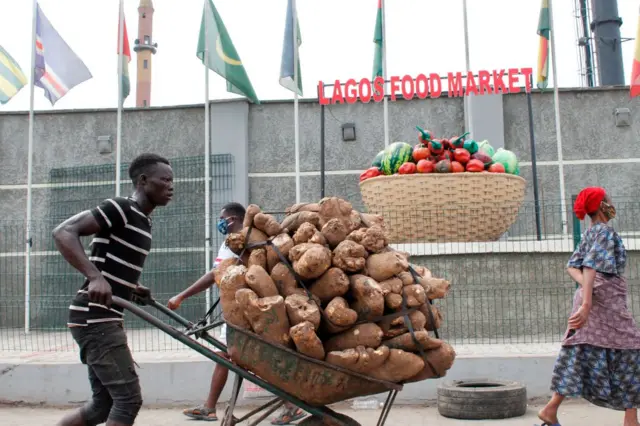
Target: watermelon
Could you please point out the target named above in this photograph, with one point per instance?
(395, 156)
(508, 159)
(377, 161)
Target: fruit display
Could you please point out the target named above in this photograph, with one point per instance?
(326, 283)
(431, 155)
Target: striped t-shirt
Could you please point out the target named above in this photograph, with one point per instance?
(118, 250)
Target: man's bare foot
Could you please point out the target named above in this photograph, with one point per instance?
(548, 415)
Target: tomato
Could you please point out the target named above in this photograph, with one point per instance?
(475, 166)
(461, 155)
(407, 169)
(443, 166)
(436, 147)
(425, 166)
(456, 167)
(496, 168)
(446, 143)
(369, 173)
(420, 152)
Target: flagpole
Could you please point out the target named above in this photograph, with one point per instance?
(467, 107)
(120, 100)
(207, 157)
(27, 264)
(296, 124)
(384, 74)
(556, 104)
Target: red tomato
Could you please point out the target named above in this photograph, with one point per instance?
(461, 155)
(425, 166)
(446, 155)
(420, 152)
(456, 167)
(407, 169)
(496, 168)
(475, 166)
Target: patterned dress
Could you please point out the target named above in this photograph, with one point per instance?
(600, 362)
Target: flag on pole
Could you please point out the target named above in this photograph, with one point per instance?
(223, 58)
(58, 69)
(12, 79)
(126, 83)
(544, 31)
(288, 46)
(635, 70)
(378, 39)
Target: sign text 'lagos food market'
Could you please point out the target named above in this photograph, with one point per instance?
(504, 81)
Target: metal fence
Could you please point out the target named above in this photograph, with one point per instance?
(514, 290)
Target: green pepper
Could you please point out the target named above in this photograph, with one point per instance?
(425, 135)
(459, 141)
(471, 146)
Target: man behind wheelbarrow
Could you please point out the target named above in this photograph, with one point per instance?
(122, 230)
(230, 221)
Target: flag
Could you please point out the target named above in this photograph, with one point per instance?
(58, 69)
(126, 83)
(12, 79)
(544, 31)
(635, 70)
(378, 40)
(222, 57)
(286, 66)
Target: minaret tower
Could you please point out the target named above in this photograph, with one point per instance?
(144, 48)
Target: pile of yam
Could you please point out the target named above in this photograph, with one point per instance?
(355, 283)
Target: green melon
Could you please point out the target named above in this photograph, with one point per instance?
(377, 161)
(395, 156)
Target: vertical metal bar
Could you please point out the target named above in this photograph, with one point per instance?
(207, 156)
(577, 235)
(384, 72)
(534, 168)
(296, 119)
(322, 153)
(584, 15)
(468, 113)
(120, 100)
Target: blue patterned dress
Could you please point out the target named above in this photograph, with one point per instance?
(601, 361)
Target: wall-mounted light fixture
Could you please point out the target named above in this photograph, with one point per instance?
(104, 144)
(348, 132)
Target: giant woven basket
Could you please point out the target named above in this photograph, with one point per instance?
(454, 207)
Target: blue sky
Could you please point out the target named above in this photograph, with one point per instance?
(423, 36)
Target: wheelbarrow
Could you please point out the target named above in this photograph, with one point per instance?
(303, 381)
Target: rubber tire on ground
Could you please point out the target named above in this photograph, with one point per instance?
(482, 399)
(318, 421)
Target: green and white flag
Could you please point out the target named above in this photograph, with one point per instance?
(288, 47)
(222, 57)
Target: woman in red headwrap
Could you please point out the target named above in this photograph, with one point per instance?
(600, 355)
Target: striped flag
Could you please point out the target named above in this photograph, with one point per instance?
(286, 65)
(544, 31)
(58, 69)
(635, 71)
(126, 82)
(378, 40)
(12, 79)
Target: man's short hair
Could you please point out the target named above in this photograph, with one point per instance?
(143, 163)
(234, 209)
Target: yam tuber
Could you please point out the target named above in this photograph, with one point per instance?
(392, 285)
(251, 212)
(398, 366)
(310, 260)
(334, 231)
(307, 233)
(332, 283)
(259, 281)
(306, 340)
(222, 267)
(267, 224)
(436, 363)
(294, 221)
(232, 281)
(368, 300)
(360, 359)
(303, 207)
(369, 220)
(284, 280)
(437, 316)
(393, 301)
(355, 221)
(436, 288)
(373, 239)
(284, 244)
(407, 278)
(393, 327)
(301, 309)
(238, 241)
(258, 257)
(268, 317)
(406, 342)
(368, 335)
(415, 295)
(382, 266)
(349, 256)
(339, 313)
(335, 208)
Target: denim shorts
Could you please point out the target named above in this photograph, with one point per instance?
(112, 375)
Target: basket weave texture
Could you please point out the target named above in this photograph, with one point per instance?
(452, 207)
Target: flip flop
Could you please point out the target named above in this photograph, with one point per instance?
(287, 417)
(549, 424)
(201, 413)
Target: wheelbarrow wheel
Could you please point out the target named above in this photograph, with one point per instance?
(319, 421)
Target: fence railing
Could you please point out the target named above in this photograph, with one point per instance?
(511, 291)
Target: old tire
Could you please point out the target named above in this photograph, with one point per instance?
(482, 399)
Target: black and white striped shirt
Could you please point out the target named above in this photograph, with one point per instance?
(118, 250)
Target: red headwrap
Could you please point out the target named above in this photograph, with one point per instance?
(588, 201)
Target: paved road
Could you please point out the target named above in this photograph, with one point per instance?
(573, 414)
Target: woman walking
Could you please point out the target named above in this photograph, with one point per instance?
(600, 356)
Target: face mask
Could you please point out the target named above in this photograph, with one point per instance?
(223, 226)
(608, 210)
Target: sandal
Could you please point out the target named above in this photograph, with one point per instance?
(289, 416)
(201, 413)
